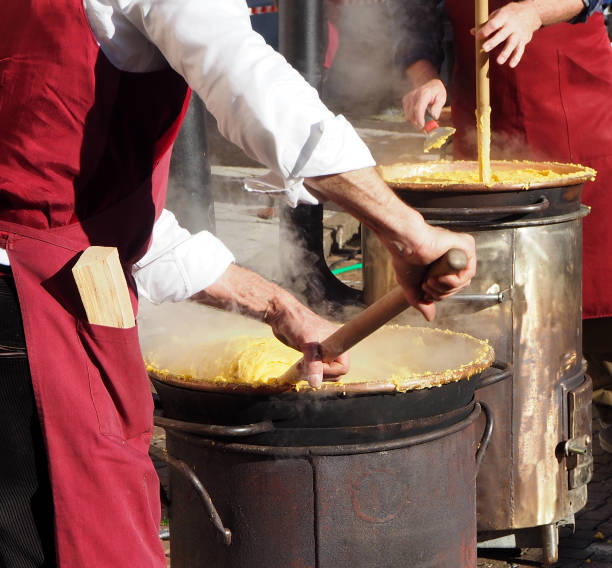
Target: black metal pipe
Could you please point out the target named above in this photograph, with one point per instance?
(182, 468)
(213, 429)
(522, 209)
(302, 39)
(302, 36)
(189, 184)
(486, 435)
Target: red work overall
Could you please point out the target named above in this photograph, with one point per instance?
(84, 156)
(555, 105)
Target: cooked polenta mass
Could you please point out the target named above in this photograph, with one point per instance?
(245, 359)
(515, 173)
(397, 356)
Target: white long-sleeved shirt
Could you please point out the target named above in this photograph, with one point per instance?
(260, 103)
(179, 264)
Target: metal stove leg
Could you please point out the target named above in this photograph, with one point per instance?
(550, 544)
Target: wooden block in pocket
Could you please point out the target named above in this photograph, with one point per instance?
(103, 289)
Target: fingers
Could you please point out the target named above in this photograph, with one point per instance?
(437, 285)
(501, 36)
(414, 109)
(512, 27)
(431, 95)
(440, 286)
(445, 285)
(498, 20)
(419, 112)
(518, 54)
(312, 368)
(437, 291)
(334, 370)
(436, 107)
(427, 309)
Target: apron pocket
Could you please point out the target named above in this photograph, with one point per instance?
(118, 382)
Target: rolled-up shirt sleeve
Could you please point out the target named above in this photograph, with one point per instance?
(590, 7)
(179, 264)
(261, 103)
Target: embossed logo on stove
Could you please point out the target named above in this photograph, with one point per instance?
(379, 496)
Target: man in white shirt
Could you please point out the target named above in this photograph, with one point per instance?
(266, 108)
(277, 119)
(90, 96)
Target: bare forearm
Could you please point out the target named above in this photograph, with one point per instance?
(413, 244)
(421, 72)
(365, 195)
(242, 290)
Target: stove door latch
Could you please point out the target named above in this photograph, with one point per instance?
(577, 446)
(578, 449)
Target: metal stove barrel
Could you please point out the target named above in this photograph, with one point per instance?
(526, 299)
(381, 503)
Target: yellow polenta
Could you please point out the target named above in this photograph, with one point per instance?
(399, 356)
(243, 359)
(516, 173)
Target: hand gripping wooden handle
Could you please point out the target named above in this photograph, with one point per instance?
(374, 316)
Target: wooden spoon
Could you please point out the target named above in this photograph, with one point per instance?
(374, 316)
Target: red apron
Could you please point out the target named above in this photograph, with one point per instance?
(555, 105)
(85, 161)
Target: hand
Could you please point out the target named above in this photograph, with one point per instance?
(298, 327)
(241, 289)
(513, 26)
(411, 267)
(431, 95)
(413, 244)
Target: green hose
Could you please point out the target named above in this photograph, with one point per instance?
(347, 268)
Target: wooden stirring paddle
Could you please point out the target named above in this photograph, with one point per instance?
(483, 105)
(374, 316)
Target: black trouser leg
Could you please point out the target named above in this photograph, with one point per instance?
(26, 505)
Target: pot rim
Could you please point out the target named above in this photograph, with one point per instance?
(329, 388)
(576, 174)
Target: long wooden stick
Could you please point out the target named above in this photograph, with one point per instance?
(483, 106)
(374, 316)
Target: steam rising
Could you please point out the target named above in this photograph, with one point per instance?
(187, 339)
(362, 77)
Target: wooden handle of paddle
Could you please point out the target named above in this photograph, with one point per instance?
(376, 315)
(482, 58)
(101, 282)
(483, 105)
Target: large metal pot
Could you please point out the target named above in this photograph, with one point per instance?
(312, 418)
(363, 473)
(443, 378)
